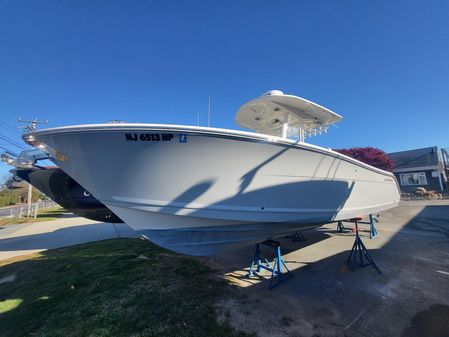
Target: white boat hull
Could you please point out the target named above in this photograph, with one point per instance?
(200, 190)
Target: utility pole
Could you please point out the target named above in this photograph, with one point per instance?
(33, 124)
(29, 200)
(30, 128)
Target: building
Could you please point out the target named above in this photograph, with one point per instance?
(426, 167)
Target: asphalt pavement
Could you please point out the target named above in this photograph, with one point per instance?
(325, 298)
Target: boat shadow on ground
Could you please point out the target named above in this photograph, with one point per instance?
(58, 214)
(409, 299)
(288, 245)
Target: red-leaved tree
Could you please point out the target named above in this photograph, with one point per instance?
(369, 155)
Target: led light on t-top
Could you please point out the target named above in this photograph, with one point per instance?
(202, 190)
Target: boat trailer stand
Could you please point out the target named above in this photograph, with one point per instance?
(373, 220)
(277, 274)
(359, 256)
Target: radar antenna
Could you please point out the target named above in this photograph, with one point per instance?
(32, 124)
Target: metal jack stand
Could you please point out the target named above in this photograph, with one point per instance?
(359, 252)
(341, 228)
(277, 275)
(373, 220)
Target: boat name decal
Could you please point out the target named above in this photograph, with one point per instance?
(149, 137)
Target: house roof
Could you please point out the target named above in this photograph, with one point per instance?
(427, 156)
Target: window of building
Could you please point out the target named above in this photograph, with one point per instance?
(415, 178)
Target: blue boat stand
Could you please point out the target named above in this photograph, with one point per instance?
(359, 256)
(277, 274)
(373, 220)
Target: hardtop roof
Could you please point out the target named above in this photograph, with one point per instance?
(266, 114)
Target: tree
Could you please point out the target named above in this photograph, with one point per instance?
(19, 194)
(369, 155)
(8, 197)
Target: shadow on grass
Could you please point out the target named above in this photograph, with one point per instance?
(45, 215)
(125, 287)
(56, 214)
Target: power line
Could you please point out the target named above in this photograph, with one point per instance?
(10, 128)
(11, 138)
(4, 148)
(11, 141)
(8, 140)
(13, 134)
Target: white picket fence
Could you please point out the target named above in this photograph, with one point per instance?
(21, 211)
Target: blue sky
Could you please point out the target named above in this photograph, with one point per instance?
(382, 65)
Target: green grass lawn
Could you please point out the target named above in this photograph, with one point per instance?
(122, 287)
(44, 215)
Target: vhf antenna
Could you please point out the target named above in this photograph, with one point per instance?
(208, 113)
(32, 126)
